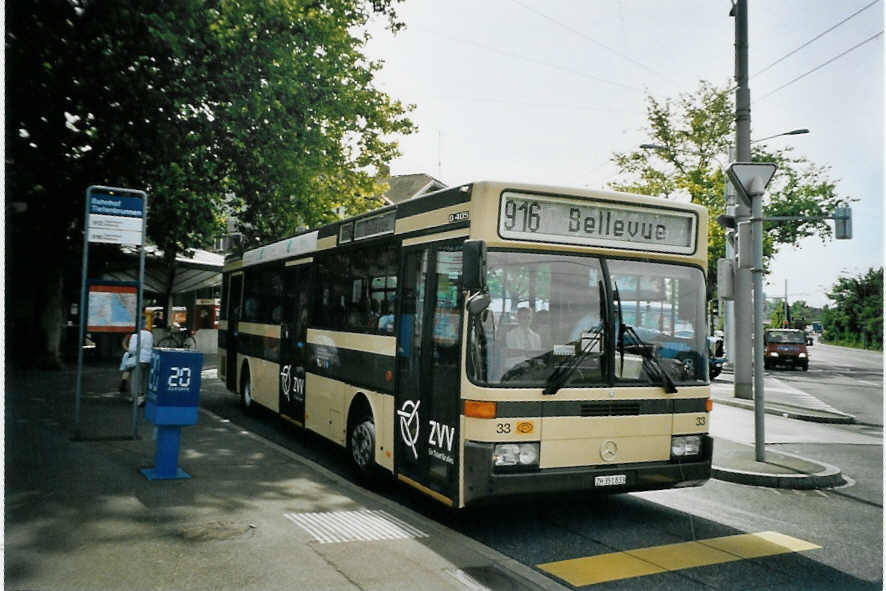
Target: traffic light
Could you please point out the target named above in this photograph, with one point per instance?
(843, 223)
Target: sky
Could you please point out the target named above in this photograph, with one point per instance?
(546, 91)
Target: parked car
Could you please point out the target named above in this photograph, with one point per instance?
(785, 346)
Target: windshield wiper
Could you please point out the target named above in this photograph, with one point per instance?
(563, 372)
(651, 365)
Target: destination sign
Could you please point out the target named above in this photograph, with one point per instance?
(375, 225)
(290, 247)
(596, 223)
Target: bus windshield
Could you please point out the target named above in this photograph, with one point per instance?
(549, 321)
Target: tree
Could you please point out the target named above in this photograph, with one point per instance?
(777, 318)
(802, 314)
(856, 319)
(264, 108)
(696, 129)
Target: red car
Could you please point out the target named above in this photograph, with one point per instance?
(785, 346)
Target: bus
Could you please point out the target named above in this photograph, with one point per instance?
(487, 340)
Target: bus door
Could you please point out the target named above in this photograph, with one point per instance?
(428, 348)
(293, 341)
(235, 297)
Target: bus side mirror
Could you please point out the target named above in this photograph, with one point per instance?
(473, 272)
(478, 302)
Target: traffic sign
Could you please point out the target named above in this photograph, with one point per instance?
(742, 175)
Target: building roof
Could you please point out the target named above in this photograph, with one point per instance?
(203, 269)
(406, 186)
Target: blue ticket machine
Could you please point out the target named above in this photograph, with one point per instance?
(171, 403)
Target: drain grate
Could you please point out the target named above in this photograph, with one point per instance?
(354, 526)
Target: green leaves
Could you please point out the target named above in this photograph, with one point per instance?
(269, 101)
(856, 319)
(692, 134)
(260, 109)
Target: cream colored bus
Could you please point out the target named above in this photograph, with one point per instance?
(486, 340)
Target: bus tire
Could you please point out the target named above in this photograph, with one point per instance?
(246, 400)
(361, 446)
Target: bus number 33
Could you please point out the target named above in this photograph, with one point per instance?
(522, 217)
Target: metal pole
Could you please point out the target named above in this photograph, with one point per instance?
(729, 305)
(139, 315)
(787, 307)
(82, 331)
(743, 311)
(136, 375)
(756, 195)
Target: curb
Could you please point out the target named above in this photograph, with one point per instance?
(525, 575)
(828, 477)
(789, 412)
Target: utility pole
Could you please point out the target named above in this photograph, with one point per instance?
(728, 305)
(742, 309)
(787, 306)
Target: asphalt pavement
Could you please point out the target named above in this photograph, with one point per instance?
(736, 461)
(252, 515)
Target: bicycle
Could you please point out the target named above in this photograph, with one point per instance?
(178, 338)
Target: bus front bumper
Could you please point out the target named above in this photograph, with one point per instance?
(481, 481)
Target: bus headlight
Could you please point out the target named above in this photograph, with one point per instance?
(515, 454)
(773, 354)
(685, 445)
(802, 355)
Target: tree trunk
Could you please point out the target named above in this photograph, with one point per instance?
(51, 318)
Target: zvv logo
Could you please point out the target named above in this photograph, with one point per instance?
(284, 381)
(441, 435)
(289, 381)
(409, 424)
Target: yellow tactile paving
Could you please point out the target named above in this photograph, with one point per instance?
(683, 555)
(601, 568)
(767, 543)
(590, 570)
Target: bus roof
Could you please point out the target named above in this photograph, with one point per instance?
(450, 212)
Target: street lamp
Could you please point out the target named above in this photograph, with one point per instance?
(659, 147)
(792, 132)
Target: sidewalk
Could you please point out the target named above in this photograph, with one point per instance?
(80, 515)
(253, 515)
(736, 462)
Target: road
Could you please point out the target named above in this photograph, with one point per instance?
(850, 380)
(839, 531)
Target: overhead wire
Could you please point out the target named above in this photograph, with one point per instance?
(524, 58)
(820, 66)
(594, 41)
(816, 38)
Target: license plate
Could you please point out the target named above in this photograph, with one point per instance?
(613, 480)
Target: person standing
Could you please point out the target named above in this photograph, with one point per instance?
(144, 360)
